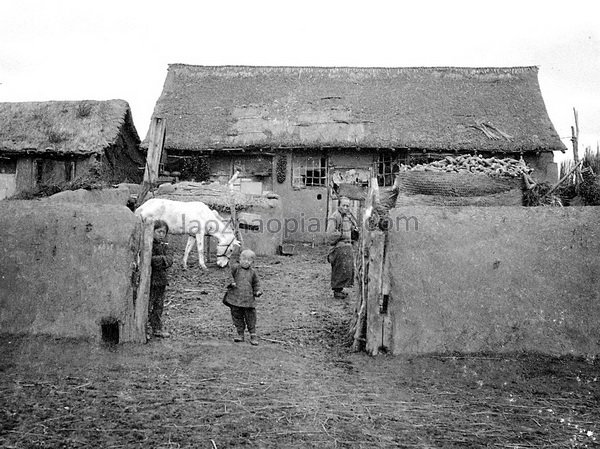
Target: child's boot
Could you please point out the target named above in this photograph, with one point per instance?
(253, 340)
(239, 337)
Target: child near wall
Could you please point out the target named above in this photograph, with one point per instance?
(241, 296)
(162, 259)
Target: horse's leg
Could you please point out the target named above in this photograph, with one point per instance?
(188, 247)
(200, 245)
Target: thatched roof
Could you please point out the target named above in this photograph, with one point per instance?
(63, 127)
(444, 108)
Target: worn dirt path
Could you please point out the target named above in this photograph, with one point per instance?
(300, 388)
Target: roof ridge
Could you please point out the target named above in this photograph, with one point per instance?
(270, 68)
(71, 102)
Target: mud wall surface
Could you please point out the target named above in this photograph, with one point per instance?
(494, 279)
(302, 207)
(103, 196)
(262, 229)
(66, 268)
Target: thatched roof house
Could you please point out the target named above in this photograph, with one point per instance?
(312, 134)
(432, 109)
(54, 141)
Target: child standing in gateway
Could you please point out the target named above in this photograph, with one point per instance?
(241, 297)
(162, 258)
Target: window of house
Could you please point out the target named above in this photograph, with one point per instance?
(309, 171)
(8, 166)
(386, 167)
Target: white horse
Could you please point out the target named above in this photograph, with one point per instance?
(195, 219)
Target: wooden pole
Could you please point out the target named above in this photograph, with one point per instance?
(145, 267)
(374, 294)
(134, 326)
(366, 242)
(549, 192)
(234, 219)
(158, 129)
(575, 140)
(575, 137)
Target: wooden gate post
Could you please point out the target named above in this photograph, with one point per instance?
(373, 297)
(158, 129)
(367, 238)
(134, 327)
(145, 267)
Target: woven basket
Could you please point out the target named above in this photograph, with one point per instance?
(453, 184)
(510, 198)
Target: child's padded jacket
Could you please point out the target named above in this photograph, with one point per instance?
(247, 284)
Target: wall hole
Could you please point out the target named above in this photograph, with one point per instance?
(383, 307)
(319, 196)
(110, 330)
(250, 227)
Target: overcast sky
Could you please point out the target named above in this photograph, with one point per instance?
(75, 49)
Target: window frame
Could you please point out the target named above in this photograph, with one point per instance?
(383, 167)
(309, 170)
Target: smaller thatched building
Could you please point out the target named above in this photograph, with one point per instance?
(48, 143)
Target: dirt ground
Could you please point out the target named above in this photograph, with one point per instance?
(302, 387)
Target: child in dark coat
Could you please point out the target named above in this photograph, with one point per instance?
(241, 297)
(161, 260)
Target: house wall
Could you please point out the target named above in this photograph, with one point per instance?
(493, 279)
(256, 168)
(304, 210)
(123, 161)
(220, 168)
(8, 177)
(544, 167)
(7, 185)
(84, 165)
(252, 167)
(119, 163)
(53, 170)
(25, 174)
(66, 267)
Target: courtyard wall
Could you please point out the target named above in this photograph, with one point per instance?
(66, 267)
(476, 279)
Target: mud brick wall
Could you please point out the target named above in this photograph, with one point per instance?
(65, 267)
(494, 279)
(266, 232)
(103, 196)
